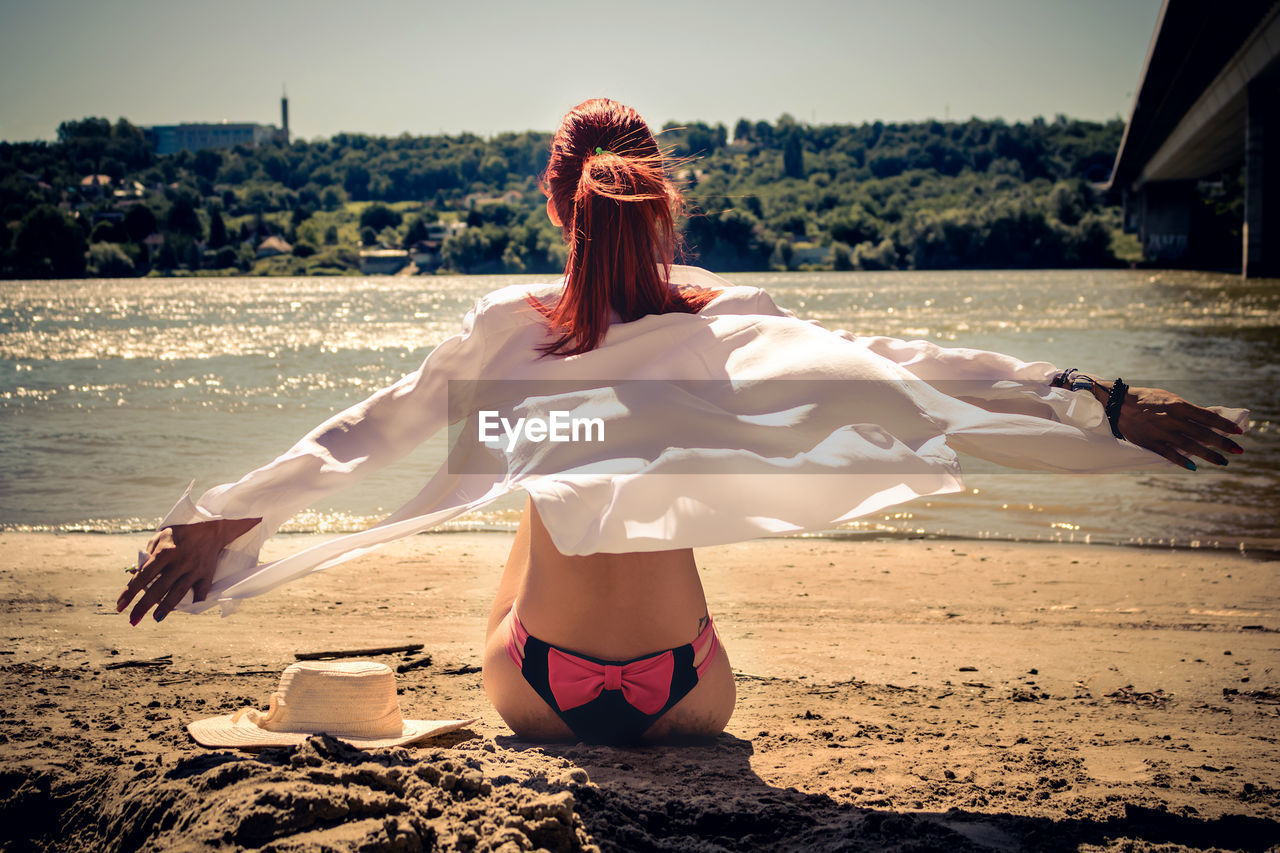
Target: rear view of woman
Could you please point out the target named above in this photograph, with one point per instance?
(726, 418)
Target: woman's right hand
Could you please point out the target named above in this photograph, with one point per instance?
(1164, 423)
(180, 558)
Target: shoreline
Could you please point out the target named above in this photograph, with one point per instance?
(1262, 553)
(936, 694)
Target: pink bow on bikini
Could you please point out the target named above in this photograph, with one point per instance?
(645, 684)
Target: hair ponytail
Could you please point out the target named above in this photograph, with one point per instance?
(608, 184)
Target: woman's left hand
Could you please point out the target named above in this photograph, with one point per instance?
(181, 558)
(1166, 424)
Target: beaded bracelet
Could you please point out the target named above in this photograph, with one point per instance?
(1072, 380)
(1115, 399)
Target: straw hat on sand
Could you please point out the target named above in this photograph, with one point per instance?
(354, 701)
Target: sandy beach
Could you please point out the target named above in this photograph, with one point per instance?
(896, 695)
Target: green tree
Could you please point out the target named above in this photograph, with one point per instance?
(224, 258)
(217, 230)
(379, 216)
(331, 198)
(109, 231)
(417, 230)
(49, 244)
(841, 257)
(183, 218)
(356, 181)
(875, 256)
(784, 252)
(493, 170)
(793, 156)
(207, 163)
(476, 250)
(139, 222)
(109, 260)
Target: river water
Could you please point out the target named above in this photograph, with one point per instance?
(114, 394)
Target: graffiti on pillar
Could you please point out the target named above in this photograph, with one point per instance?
(1165, 247)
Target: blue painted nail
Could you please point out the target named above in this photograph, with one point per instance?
(1191, 466)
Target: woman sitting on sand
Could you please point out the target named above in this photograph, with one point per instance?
(728, 418)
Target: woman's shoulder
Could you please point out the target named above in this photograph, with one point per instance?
(515, 295)
(517, 304)
(731, 299)
(697, 278)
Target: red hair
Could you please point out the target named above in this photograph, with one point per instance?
(607, 182)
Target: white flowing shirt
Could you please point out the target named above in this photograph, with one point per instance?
(737, 422)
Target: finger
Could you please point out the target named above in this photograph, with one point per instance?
(153, 596)
(1212, 420)
(135, 585)
(142, 578)
(1168, 451)
(154, 565)
(175, 595)
(201, 589)
(1192, 440)
(1205, 439)
(1194, 448)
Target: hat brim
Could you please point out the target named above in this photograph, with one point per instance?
(222, 732)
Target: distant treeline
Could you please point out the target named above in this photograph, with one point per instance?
(780, 195)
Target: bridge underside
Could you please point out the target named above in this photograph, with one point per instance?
(1209, 101)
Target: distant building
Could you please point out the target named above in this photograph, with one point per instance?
(383, 261)
(425, 254)
(441, 231)
(809, 253)
(171, 138)
(130, 189)
(274, 245)
(480, 199)
(95, 184)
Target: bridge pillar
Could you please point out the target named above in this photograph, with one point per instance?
(1262, 179)
(1165, 219)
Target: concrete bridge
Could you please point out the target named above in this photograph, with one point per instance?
(1209, 100)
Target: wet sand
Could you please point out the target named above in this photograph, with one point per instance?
(892, 695)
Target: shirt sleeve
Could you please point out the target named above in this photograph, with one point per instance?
(992, 380)
(343, 449)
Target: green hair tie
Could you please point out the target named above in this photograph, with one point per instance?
(600, 150)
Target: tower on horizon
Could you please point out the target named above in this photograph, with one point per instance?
(284, 114)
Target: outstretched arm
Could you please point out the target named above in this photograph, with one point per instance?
(1152, 418)
(195, 537)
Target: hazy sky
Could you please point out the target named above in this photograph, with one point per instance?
(393, 66)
